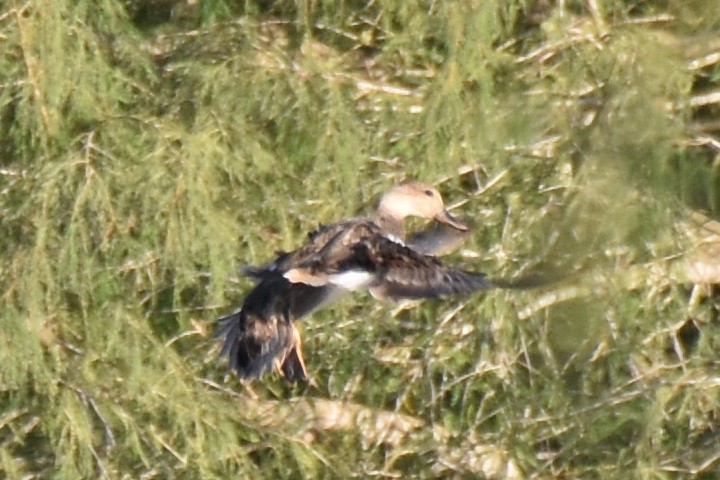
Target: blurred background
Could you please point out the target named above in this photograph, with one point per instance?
(150, 149)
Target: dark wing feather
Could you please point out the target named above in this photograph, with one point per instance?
(326, 246)
(401, 272)
(262, 333)
(305, 299)
(437, 240)
(401, 283)
(253, 344)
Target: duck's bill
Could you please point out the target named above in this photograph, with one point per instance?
(448, 219)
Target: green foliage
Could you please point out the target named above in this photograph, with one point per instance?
(148, 148)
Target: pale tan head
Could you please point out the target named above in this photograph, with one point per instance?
(416, 199)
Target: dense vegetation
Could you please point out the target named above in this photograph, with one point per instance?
(149, 148)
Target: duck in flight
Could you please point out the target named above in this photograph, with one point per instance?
(355, 254)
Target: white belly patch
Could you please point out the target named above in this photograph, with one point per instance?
(351, 279)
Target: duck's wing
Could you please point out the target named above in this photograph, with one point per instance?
(320, 263)
(401, 272)
(437, 240)
(255, 345)
(305, 299)
(323, 244)
(262, 336)
(356, 254)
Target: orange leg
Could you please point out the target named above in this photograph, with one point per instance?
(293, 365)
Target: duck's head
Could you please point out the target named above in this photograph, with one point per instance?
(416, 199)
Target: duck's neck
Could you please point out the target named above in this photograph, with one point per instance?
(391, 224)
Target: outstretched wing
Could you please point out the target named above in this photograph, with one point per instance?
(352, 255)
(437, 240)
(262, 336)
(401, 272)
(318, 268)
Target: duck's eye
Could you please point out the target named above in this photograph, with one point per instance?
(429, 193)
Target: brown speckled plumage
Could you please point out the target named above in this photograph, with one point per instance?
(351, 254)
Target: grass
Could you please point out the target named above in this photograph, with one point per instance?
(149, 149)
